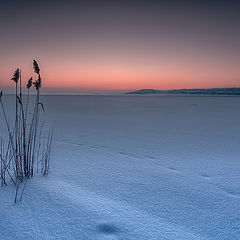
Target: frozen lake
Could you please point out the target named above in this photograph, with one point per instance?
(133, 167)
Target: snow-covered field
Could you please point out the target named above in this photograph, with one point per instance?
(134, 167)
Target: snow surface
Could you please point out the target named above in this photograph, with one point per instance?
(133, 167)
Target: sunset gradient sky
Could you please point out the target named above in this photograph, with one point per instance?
(122, 45)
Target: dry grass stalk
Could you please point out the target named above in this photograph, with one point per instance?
(25, 144)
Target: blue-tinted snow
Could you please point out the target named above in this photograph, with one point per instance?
(134, 167)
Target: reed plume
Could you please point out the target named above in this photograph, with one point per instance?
(29, 84)
(16, 76)
(36, 67)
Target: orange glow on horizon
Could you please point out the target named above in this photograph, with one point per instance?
(119, 76)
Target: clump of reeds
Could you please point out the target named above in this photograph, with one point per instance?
(26, 151)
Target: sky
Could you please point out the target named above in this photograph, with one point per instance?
(121, 45)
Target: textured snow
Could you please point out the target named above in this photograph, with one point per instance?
(133, 167)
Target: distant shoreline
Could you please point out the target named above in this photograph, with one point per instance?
(149, 92)
(199, 91)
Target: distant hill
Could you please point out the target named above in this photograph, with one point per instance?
(208, 91)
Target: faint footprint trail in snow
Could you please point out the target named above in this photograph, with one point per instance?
(108, 149)
(226, 191)
(173, 169)
(204, 175)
